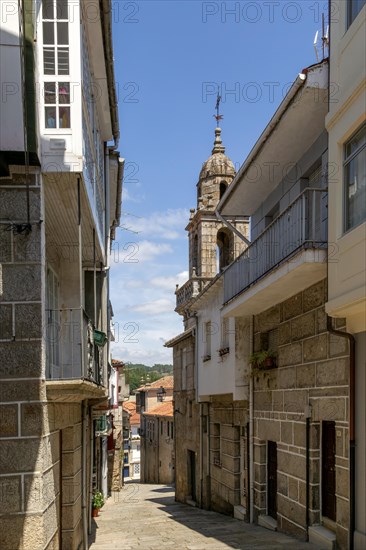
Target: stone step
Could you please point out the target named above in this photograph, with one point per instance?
(268, 522)
(240, 512)
(321, 536)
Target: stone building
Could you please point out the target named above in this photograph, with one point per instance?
(151, 393)
(271, 380)
(186, 419)
(346, 127)
(60, 191)
(299, 407)
(157, 445)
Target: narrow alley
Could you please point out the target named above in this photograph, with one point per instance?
(147, 517)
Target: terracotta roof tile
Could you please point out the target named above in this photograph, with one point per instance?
(130, 406)
(167, 382)
(163, 409)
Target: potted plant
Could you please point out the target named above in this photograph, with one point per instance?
(268, 359)
(97, 503)
(265, 359)
(255, 358)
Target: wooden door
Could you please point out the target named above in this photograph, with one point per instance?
(192, 473)
(328, 470)
(272, 479)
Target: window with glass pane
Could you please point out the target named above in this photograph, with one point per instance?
(354, 8)
(57, 105)
(355, 179)
(55, 37)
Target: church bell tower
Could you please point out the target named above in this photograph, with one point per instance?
(212, 244)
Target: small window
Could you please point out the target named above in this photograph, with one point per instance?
(355, 179)
(223, 187)
(184, 368)
(167, 429)
(57, 104)
(172, 430)
(354, 8)
(216, 444)
(195, 253)
(207, 341)
(225, 331)
(161, 427)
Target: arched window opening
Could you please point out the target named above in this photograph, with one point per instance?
(223, 187)
(225, 243)
(195, 253)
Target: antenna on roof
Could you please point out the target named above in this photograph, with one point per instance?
(315, 45)
(324, 45)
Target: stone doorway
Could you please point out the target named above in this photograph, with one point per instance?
(328, 470)
(272, 479)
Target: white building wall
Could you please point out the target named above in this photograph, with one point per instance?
(11, 134)
(347, 263)
(222, 374)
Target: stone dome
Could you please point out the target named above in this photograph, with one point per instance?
(218, 164)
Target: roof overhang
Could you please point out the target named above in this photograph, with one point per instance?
(99, 32)
(179, 338)
(294, 127)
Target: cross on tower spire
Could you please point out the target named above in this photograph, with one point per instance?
(218, 117)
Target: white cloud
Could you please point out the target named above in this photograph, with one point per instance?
(155, 307)
(168, 283)
(148, 250)
(128, 197)
(134, 283)
(168, 224)
(135, 252)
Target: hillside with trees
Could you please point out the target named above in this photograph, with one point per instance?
(139, 374)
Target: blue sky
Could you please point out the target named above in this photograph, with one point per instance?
(170, 56)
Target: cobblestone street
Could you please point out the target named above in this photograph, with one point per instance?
(147, 517)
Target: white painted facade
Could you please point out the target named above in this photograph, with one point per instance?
(11, 138)
(347, 267)
(347, 114)
(222, 361)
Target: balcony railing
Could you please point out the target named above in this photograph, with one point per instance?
(190, 290)
(72, 353)
(302, 225)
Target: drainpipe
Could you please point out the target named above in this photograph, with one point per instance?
(208, 458)
(201, 456)
(251, 430)
(81, 282)
(84, 484)
(307, 445)
(352, 417)
(91, 474)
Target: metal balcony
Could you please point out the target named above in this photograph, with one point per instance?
(302, 225)
(72, 351)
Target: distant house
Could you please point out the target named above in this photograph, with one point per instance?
(148, 395)
(132, 452)
(157, 445)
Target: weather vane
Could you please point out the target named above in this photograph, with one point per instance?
(218, 116)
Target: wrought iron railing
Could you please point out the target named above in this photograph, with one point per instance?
(71, 351)
(303, 224)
